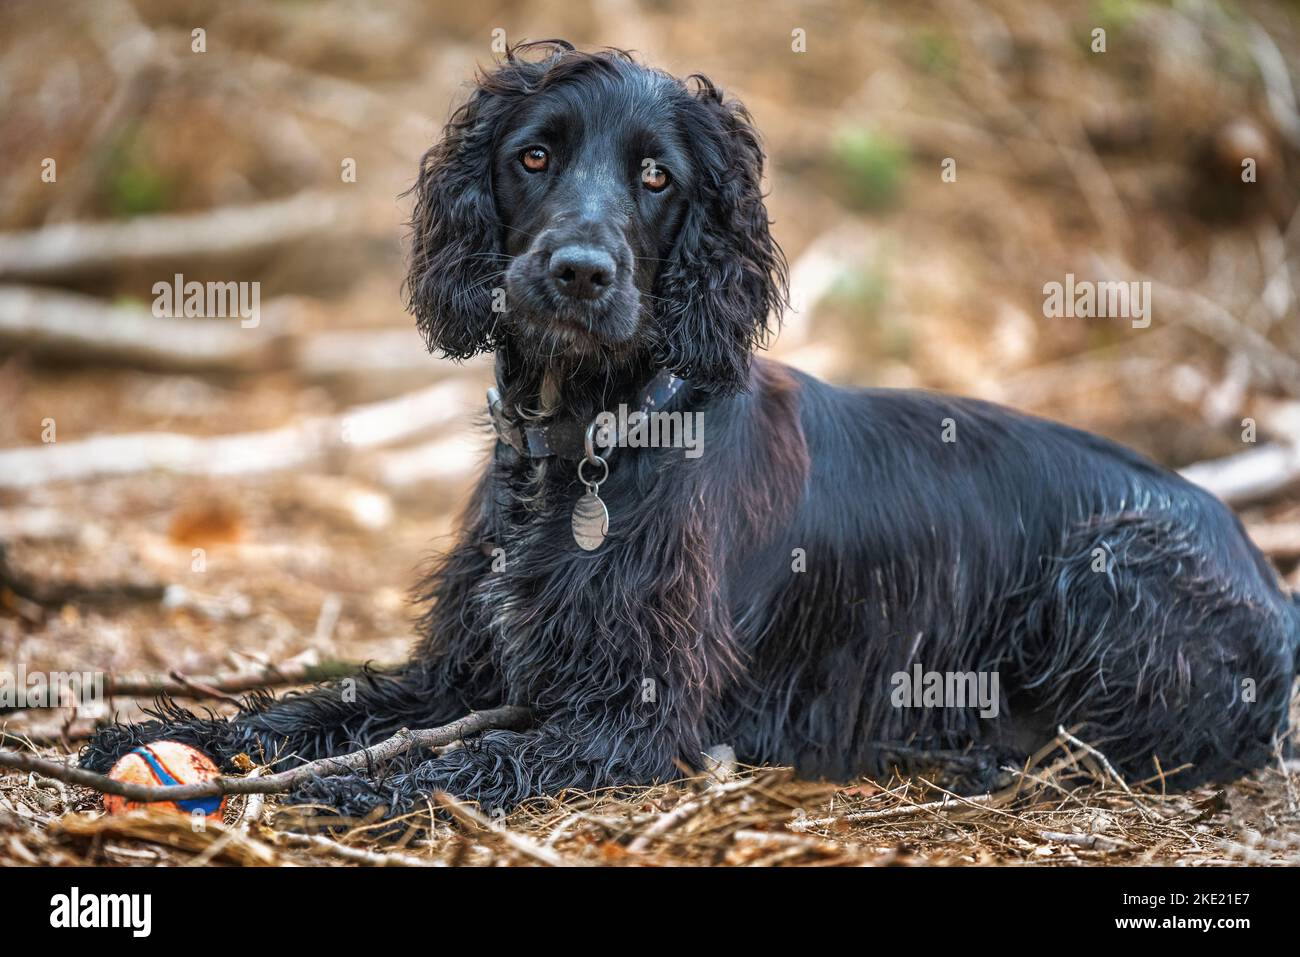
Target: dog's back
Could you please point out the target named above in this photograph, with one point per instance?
(957, 537)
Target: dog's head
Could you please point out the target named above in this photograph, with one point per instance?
(597, 213)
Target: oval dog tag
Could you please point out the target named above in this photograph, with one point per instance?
(590, 522)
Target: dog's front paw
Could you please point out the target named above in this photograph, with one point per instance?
(351, 796)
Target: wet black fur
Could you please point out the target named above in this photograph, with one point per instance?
(690, 626)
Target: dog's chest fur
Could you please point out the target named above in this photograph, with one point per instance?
(538, 600)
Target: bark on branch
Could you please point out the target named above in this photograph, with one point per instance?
(81, 247)
(509, 716)
(85, 329)
(62, 324)
(247, 453)
(176, 685)
(1248, 476)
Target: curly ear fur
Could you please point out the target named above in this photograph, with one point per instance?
(457, 257)
(727, 275)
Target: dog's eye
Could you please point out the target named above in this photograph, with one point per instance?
(535, 158)
(654, 177)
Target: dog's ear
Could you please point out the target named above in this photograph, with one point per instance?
(456, 255)
(727, 276)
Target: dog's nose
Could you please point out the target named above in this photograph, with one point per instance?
(581, 272)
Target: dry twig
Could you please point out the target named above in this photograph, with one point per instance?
(405, 739)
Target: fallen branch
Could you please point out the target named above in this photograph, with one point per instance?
(1090, 842)
(61, 324)
(47, 735)
(55, 594)
(778, 839)
(338, 352)
(46, 322)
(177, 685)
(446, 459)
(80, 247)
(816, 272)
(254, 808)
(1281, 94)
(1248, 476)
(359, 428)
(404, 740)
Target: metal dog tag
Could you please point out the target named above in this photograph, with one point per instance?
(590, 521)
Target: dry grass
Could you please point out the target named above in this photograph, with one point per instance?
(1066, 814)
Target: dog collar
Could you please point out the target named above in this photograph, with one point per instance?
(567, 438)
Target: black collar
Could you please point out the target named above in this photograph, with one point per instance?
(566, 438)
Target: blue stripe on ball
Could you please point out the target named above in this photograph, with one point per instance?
(208, 805)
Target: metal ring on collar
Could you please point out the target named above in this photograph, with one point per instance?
(597, 460)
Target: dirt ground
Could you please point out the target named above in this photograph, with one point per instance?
(1122, 163)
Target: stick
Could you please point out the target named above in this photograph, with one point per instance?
(137, 685)
(55, 594)
(247, 453)
(1090, 842)
(1062, 733)
(62, 324)
(225, 687)
(48, 736)
(684, 810)
(1277, 83)
(221, 687)
(446, 459)
(778, 839)
(81, 247)
(902, 810)
(360, 855)
(505, 717)
(814, 275)
(337, 352)
(1248, 476)
(255, 806)
(66, 324)
(467, 815)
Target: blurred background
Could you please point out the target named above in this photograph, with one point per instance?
(192, 496)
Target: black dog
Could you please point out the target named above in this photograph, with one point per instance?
(600, 226)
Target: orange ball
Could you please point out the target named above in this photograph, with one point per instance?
(165, 763)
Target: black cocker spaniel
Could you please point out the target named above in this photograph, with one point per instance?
(830, 581)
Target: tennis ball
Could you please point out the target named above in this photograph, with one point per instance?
(165, 763)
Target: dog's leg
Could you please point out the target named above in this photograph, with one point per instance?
(502, 768)
(623, 678)
(448, 676)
